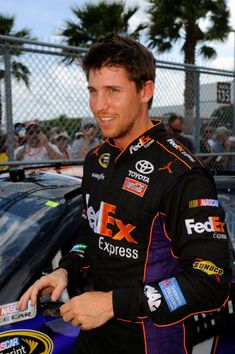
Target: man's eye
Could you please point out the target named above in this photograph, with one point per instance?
(92, 91)
(113, 90)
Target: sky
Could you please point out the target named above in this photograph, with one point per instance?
(46, 17)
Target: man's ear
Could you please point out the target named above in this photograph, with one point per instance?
(147, 91)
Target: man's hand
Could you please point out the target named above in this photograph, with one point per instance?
(53, 283)
(89, 310)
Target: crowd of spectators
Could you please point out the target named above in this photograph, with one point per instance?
(31, 144)
(216, 143)
(216, 147)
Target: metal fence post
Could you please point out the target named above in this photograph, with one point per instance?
(196, 128)
(8, 94)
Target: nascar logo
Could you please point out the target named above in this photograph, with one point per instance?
(203, 202)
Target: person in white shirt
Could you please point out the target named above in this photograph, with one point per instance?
(85, 141)
(37, 147)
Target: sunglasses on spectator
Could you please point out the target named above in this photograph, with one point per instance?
(179, 131)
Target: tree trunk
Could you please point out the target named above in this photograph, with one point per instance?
(189, 90)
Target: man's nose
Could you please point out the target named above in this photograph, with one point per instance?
(101, 101)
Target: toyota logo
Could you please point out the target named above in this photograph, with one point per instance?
(144, 167)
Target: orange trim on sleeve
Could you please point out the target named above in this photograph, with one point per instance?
(184, 331)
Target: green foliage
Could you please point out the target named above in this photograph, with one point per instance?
(7, 24)
(71, 125)
(184, 21)
(95, 20)
(224, 116)
(18, 70)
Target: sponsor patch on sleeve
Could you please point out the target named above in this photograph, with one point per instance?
(172, 294)
(203, 202)
(209, 268)
(153, 297)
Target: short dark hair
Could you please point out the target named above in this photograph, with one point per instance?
(116, 50)
(174, 117)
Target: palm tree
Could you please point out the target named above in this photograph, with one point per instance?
(95, 20)
(192, 23)
(19, 71)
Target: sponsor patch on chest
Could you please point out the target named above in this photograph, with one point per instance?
(134, 186)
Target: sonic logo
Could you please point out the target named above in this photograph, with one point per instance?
(104, 223)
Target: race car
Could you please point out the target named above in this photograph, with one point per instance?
(40, 211)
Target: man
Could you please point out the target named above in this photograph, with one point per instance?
(153, 232)
(86, 141)
(175, 128)
(36, 146)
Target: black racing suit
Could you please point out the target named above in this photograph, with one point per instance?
(154, 233)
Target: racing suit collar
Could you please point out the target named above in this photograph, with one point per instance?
(142, 141)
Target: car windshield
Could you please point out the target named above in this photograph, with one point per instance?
(27, 209)
(16, 232)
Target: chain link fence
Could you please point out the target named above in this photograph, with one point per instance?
(44, 82)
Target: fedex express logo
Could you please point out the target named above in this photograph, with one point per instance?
(180, 148)
(103, 222)
(144, 141)
(213, 224)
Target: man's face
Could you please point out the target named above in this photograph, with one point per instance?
(89, 131)
(116, 104)
(175, 128)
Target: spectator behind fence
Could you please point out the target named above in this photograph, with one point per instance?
(37, 147)
(175, 128)
(20, 130)
(207, 146)
(61, 139)
(4, 156)
(85, 140)
(3, 150)
(222, 144)
(52, 133)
